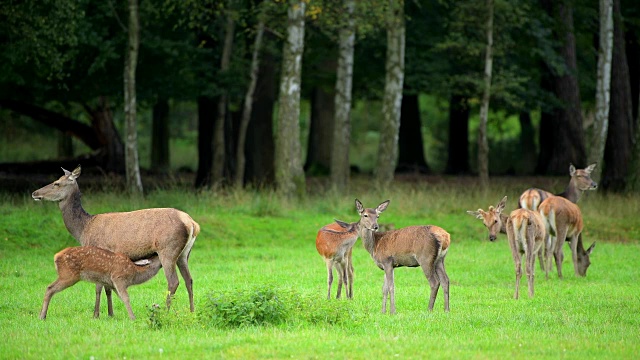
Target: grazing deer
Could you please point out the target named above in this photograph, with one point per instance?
(563, 222)
(579, 183)
(424, 246)
(111, 270)
(496, 222)
(168, 232)
(526, 234)
(334, 243)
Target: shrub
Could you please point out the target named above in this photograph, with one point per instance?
(255, 307)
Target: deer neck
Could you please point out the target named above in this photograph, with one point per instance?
(369, 238)
(503, 223)
(74, 216)
(571, 193)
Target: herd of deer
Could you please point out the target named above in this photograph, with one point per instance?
(540, 226)
(121, 249)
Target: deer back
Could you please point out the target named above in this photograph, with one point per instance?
(532, 198)
(334, 238)
(561, 213)
(412, 240)
(524, 217)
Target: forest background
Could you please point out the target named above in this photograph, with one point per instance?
(384, 87)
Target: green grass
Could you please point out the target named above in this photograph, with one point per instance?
(253, 239)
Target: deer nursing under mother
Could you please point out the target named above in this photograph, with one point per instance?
(167, 232)
(413, 246)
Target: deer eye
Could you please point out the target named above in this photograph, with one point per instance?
(365, 215)
(495, 221)
(56, 184)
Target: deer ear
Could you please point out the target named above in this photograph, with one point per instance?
(359, 207)
(75, 173)
(474, 214)
(382, 207)
(501, 205)
(341, 223)
(572, 170)
(590, 249)
(590, 168)
(66, 172)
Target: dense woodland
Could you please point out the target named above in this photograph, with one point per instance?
(568, 71)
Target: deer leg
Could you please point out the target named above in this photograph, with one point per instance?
(121, 289)
(183, 266)
(96, 308)
(515, 254)
(169, 267)
(340, 271)
(550, 253)
(329, 277)
(444, 282)
(54, 288)
(107, 292)
(349, 276)
(530, 257)
(574, 253)
(557, 253)
(387, 289)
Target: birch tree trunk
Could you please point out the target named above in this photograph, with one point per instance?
(218, 132)
(390, 126)
(603, 86)
(483, 143)
(289, 174)
(248, 105)
(344, 83)
(134, 183)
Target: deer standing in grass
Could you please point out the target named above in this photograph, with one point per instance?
(526, 234)
(563, 222)
(579, 183)
(111, 270)
(140, 234)
(424, 246)
(335, 244)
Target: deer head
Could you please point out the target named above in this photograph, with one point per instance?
(369, 217)
(59, 189)
(582, 177)
(491, 218)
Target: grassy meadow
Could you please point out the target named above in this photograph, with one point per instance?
(256, 240)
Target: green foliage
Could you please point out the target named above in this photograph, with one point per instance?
(262, 306)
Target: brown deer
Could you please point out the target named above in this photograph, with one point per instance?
(496, 222)
(424, 246)
(579, 183)
(526, 234)
(168, 232)
(334, 243)
(111, 270)
(563, 222)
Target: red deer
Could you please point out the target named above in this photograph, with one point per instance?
(496, 221)
(413, 246)
(168, 232)
(526, 234)
(335, 244)
(111, 270)
(563, 221)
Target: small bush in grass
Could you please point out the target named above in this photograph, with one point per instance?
(261, 306)
(160, 317)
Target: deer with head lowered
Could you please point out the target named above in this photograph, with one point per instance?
(413, 246)
(112, 270)
(563, 222)
(167, 232)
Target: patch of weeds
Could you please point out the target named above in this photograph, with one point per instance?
(260, 306)
(159, 317)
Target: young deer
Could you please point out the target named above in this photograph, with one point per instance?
(335, 244)
(496, 221)
(563, 222)
(526, 234)
(579, 183)
(168, 232)
(424, 246)
(109, 269)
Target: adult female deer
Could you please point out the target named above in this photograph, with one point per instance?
(424, 246)
(104, 267)
(563, 221)
(168, 232)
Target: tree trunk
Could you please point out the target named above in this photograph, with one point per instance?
(568, 135)
(248, 106)
(458, 160)
(527, 143)
(206, 106)
(411, 147)
(340, 169)
(392, 101)
(546, 129)
(160, 137)
(633, 60)
(65, 145)
(603, 86)
(483, 142)
(289, 174)
(217, 173)
(617, 152)
(134, 183)
(320, 131)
